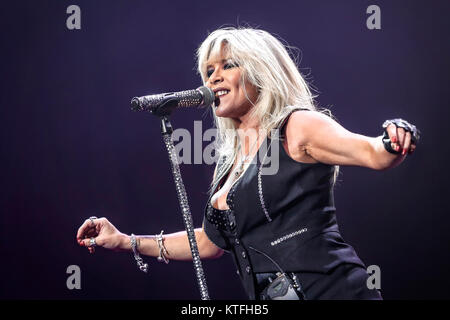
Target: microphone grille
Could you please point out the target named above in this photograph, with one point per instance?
(136, 104)
(208, 96)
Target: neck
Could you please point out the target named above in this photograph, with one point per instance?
(248, 133)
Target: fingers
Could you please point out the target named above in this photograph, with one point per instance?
(393, 135)
(87, 225)
(400, 139)
(401, 136)
(97, 229)
(407, 143)
(89, 245)
(87, 242)
(89, 229)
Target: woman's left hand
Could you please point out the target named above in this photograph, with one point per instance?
(401, 135)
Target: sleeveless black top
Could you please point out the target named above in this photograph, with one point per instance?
(287, 217)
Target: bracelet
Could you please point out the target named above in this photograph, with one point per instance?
(140, 263)
(162, 249)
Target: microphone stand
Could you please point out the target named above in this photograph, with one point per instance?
(166, 131)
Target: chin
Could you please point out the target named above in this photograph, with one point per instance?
(221, 112)
(225, 114)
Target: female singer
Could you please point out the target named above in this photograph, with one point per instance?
(279, 225)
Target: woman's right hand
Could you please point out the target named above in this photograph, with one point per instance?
(104, 233)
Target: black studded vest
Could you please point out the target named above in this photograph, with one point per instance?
(288, 216)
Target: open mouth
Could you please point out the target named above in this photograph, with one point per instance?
(220, 94)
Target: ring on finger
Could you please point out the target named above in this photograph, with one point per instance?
(92, 242)
(92, 220)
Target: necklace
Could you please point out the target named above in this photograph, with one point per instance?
(244, 158)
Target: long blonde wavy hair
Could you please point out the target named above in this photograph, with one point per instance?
(266, 63)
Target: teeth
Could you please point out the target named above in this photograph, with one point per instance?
(221, 93)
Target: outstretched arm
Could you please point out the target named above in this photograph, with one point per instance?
(107, 236)
(177, 245)
(325, 140)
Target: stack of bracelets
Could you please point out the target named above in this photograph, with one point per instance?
(162, 251)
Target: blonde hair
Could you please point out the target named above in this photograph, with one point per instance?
(266, 63)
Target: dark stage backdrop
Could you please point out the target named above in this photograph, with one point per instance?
(71, 147)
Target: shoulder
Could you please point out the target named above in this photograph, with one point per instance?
(303, 123)
(305, 118)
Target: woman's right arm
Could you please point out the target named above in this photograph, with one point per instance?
(177, 245)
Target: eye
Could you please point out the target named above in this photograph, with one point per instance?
(230, 65)
(209, 72)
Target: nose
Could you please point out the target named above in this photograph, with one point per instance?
(216, 77)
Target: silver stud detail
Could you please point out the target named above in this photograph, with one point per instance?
(288, 236)
(260, 191)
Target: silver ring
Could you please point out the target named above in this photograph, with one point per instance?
(92, 242)
(92, 220)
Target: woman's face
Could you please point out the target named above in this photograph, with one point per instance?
(224, 78)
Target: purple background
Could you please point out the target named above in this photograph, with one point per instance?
(71, 147)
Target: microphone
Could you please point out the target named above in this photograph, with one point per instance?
(163, 104)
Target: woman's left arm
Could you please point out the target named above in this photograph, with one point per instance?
(325, 140)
